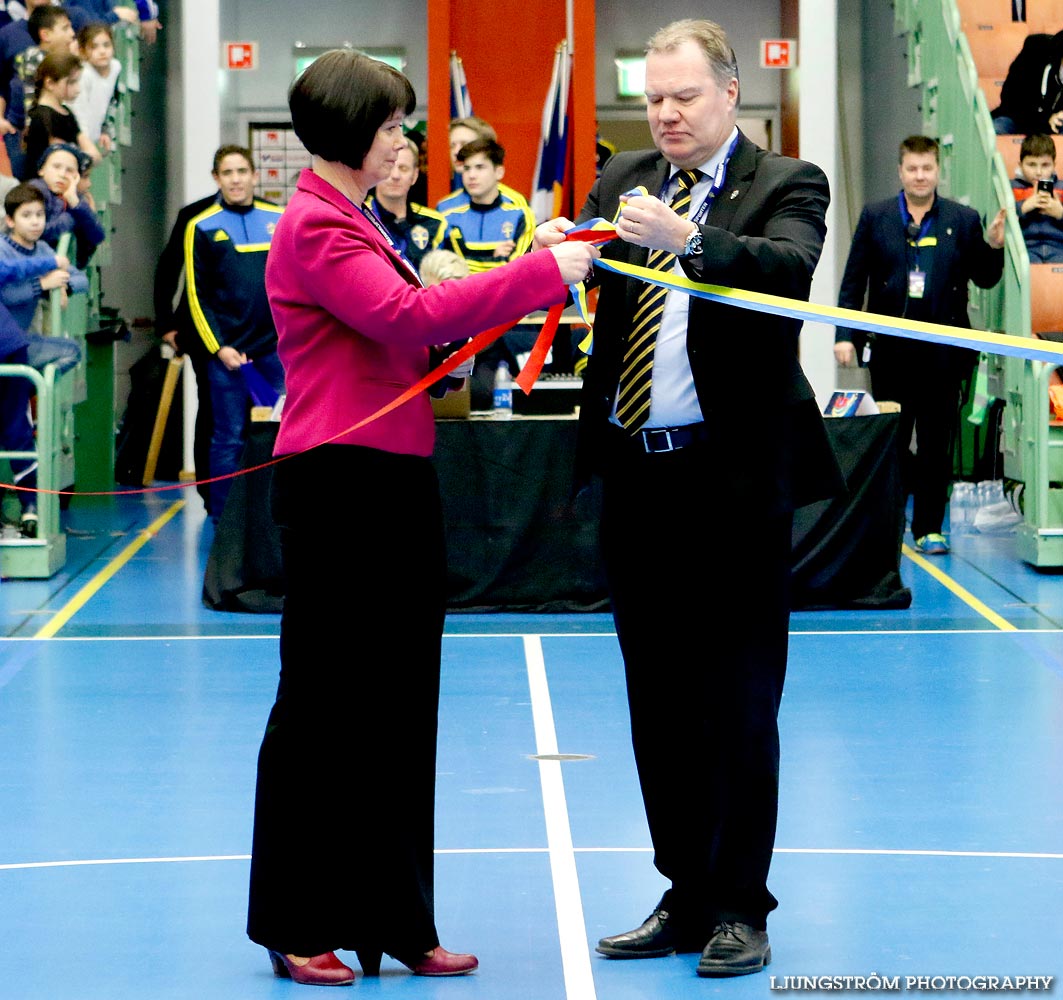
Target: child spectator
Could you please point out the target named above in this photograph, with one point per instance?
(1038, 193)
(51, 120)
(28, 269)
(96, 104)
(491, 228)
(60, 171)
(52, 33)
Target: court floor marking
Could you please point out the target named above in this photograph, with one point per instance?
(275, 636)
(571, 928)
(961, 592)
(819, 851)
(82, 597)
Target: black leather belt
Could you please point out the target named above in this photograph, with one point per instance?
(656, 440)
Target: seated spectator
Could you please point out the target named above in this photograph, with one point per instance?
(1038, 192)
(67, 210)
(28, 269)
(436, 266)
(414, 229)
(490, 228)
(96, 103)
(462, 132)
(50, 119)
(1031, 99)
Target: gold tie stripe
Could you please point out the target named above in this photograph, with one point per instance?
(633, 394)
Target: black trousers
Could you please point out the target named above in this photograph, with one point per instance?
(699, 584)
(927, 384)
(342, 855)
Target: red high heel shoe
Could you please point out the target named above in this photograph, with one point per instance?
(438, 962)
(321, 970)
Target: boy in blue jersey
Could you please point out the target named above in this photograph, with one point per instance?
(491, 227)
(225, 275)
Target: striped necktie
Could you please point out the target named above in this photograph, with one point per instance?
(633, 394)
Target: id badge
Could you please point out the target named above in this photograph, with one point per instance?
(916, 283)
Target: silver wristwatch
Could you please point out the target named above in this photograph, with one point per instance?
(692, 247)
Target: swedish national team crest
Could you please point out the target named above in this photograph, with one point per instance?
(508, 229)
(420, 237)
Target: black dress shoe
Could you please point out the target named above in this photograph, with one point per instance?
(735, 949)
(655, 937)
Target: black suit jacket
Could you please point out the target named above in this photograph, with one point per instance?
(764, 232)
(877, 269)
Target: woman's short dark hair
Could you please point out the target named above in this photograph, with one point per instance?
(340, 100)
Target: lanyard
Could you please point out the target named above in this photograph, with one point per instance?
(382, 229)
(906, 220)
(717, 184)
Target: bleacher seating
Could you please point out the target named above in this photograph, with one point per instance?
(1045, 15)
(70, 418)
(1046, 298)
(994, 46)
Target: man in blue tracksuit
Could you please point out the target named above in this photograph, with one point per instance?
(489, 228)
(225, 274)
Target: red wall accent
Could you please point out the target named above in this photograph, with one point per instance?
(507, 47)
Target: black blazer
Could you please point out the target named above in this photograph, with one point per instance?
(877, 268)
(764, 232)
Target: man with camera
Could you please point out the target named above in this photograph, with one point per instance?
(912, 256)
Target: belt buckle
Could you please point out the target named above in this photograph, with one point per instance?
(651, 449)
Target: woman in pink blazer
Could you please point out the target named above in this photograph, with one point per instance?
(344, 809)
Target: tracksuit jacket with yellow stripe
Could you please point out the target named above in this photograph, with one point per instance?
(225, 275)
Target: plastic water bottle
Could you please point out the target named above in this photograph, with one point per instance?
(502, 399)
(962, 505)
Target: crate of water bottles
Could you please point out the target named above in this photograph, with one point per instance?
(982, 508)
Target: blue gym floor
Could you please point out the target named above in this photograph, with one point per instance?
(921, 822)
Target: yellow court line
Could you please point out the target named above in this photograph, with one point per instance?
(964, 595)
(81, 598)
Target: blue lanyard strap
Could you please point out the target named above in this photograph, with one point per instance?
(371, 215)
(906, 217)
(717, 184)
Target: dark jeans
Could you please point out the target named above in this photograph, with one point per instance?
(231, 405)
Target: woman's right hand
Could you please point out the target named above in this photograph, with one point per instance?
(575, 260)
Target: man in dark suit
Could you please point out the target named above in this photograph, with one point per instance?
(700, 477)
(912, 255)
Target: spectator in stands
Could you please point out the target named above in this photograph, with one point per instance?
(60, 171)
(913, 256)
(52, 32)
(21, 41)
(173, 324)
(143, 13)
(1031, 99)
(436, 266)
(414, 229)
(1038, 192)
(28, 269)
(225, 271)
(462, 132)
(490, 228)
(58, 83)
(96, 104)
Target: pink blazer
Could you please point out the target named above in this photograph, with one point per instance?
(354, 325)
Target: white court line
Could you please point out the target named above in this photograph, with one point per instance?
(869, 851)
(878, 633)
(571, 930)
